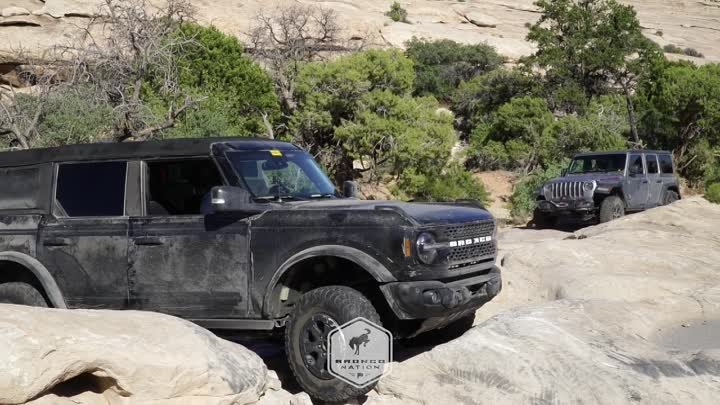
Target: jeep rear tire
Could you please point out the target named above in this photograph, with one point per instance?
(316, 314)
(543, 220)
(611, 208)
(670, 197)
(21, 294)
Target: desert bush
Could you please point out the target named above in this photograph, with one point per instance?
(712, 193)
(524, 198)
(440, 66)
(671, 48)
(237, 95)
(397, 13)
(451, 184)
(693, 52)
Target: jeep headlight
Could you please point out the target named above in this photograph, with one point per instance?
(427, 249)
(588, 185)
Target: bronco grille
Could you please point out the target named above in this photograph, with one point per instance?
(468, 253)
(568, 189)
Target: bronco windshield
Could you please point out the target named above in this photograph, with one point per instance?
(274, 174)
(597, 164)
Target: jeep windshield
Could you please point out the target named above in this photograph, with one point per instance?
(597, 164)
(277, 175)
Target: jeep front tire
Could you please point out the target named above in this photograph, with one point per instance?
(314, 316)
(611, 208)
(21, 294)
(543, 220)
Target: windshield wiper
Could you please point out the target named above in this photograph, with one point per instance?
(278, 198)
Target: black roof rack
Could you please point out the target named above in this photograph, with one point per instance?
(129, 150)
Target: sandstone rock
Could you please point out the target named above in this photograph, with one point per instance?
(587, 319)
(14, 11)
(54, 357)
(20, 21)
(72, 8)
(479, 19)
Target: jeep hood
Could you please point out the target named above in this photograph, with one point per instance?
(602, 178)
(422, 213)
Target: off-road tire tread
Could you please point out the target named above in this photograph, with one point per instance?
(350, 304)
(606, 208)
(21, 294)
(666, 197)
(543, 220)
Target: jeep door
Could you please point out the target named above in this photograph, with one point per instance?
(655, 181)
(636, 183)
(183, 261)
(84, 242)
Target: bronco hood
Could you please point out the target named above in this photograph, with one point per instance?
(422, 213)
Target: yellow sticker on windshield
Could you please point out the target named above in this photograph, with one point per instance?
(275, 152)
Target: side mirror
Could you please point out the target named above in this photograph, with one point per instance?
(226, 198)
(350, 189)
(563, 172)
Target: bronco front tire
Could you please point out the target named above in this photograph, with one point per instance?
(318, 312)
(611, 208)
(21, 294)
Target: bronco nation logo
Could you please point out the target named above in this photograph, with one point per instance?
(359, 352)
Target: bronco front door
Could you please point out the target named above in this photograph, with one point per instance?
(182, 260)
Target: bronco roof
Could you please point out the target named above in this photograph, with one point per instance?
(130, 150)
(617, 152)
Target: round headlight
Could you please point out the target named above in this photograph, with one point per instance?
(426, 251)
(588, 185)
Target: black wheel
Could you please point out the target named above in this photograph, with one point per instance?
(670, 197)
(21, 294)
(315, 315)
(543, 220)
(611, 208)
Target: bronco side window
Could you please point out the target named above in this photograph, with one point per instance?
(94, 189)
(180, 187)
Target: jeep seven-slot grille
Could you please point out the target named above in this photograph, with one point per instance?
(472, 252)
(568, 189)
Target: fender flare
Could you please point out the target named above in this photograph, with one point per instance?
(373, 267)
(41, 273)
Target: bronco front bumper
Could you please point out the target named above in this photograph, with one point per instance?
(432, 299)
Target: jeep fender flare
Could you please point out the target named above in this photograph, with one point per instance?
(41, 273)
(373, 267)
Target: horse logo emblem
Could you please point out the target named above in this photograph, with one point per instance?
(359, 352)
(363, 339)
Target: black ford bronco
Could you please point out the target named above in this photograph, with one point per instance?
(236, 233)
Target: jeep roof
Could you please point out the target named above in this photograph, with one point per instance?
(614, 152)
(126, 150)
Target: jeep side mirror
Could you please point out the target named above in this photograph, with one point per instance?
(350, 189)
(226, 198)
(563, 172)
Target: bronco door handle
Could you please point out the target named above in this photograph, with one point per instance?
(148, 241)
(56, 242)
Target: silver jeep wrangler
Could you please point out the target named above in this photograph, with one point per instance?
(607, 185)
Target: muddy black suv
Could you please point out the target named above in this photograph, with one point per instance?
(606, 185)
(236, 233)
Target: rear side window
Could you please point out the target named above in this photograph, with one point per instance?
(19, 188)
(652, 164)
(91, 189)
(666, 164)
